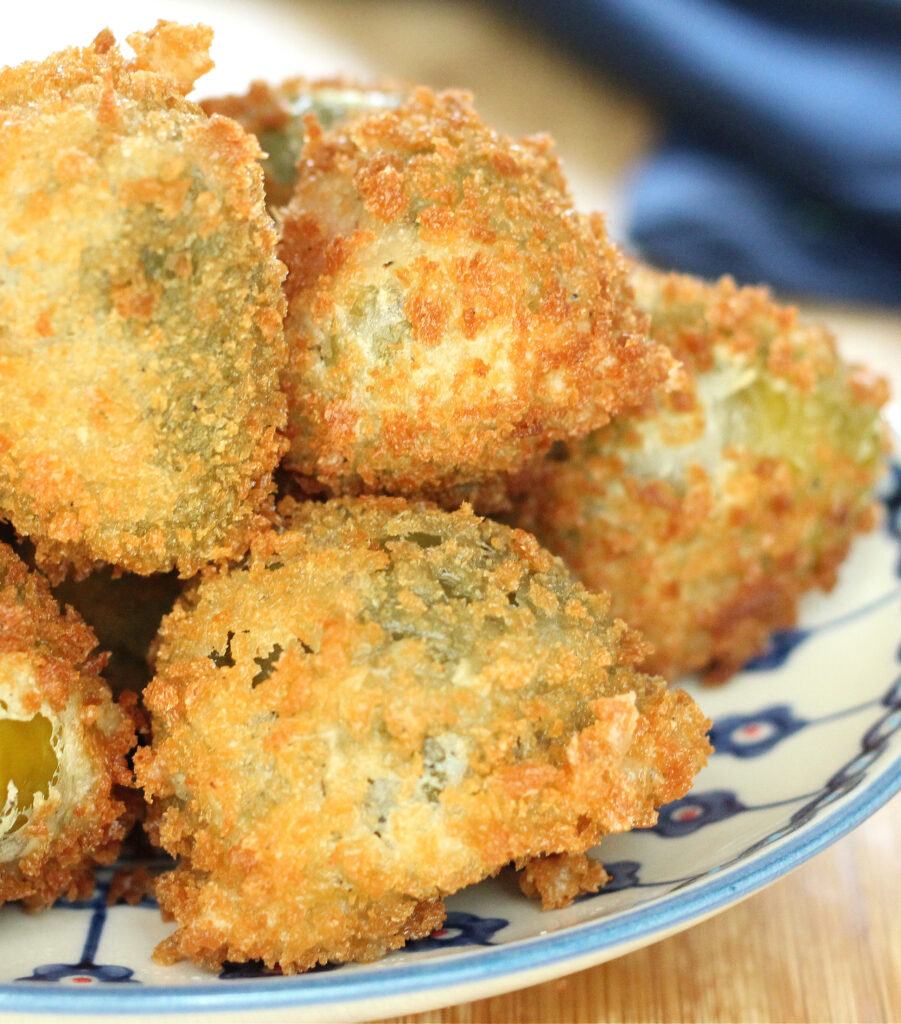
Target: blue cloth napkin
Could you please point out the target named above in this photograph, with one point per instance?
(783, 159)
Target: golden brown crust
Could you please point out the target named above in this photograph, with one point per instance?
(560, 877)
(131, 886)
(275, 115)
(710, 511)
(384, 703)
(49, 666)
(449, 315)
(142, 312)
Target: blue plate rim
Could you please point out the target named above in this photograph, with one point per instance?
(673, 912)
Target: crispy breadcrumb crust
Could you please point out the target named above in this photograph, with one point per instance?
(450, 315)
(710, 511)
(383, 703)
(131, 886)
(49, 666)
(141, 309)
(275, 115)
(560, 877)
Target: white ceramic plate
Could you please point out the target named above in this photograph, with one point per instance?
(808, 745)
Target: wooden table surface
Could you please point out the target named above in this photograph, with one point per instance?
(821, 944)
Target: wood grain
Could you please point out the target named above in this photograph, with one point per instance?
(822, 944)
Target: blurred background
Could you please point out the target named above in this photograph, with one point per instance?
(521, 84)
(761, 139)
(750, 137)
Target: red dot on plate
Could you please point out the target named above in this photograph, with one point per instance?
(83, 981)
(687, 814)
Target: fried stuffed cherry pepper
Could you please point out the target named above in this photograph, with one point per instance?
(63, 746)
(450, 315)
(383, 703)
(141, 343)
(708, 512)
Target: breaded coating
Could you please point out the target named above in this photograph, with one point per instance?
(450, 315)
(560, 877)
(140, 311)
(384, 703)
(711, 510)
(63, 746)
(276, 115)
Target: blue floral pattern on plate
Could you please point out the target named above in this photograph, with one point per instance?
(826, 698)
(755, 734)
(86, 971)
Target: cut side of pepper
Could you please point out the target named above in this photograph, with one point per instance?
(28, 760)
